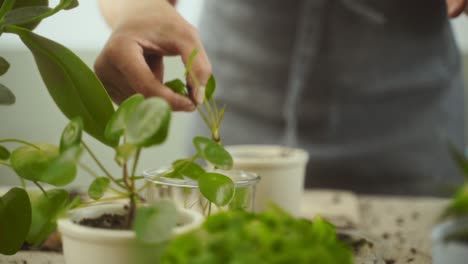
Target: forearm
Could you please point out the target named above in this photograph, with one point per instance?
(114, 10)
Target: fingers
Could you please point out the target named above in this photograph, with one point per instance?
(455, 7)
(200, 70)
(128, 60)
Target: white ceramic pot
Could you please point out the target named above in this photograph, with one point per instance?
(449, 251)
(89, 245)
(281, 169)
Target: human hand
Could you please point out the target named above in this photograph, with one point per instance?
(132, 60)
(456, 7)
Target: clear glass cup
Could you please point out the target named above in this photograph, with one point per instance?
(185, 192)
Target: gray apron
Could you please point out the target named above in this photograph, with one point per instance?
(372, 89)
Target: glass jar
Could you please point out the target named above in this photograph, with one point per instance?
(185, 192)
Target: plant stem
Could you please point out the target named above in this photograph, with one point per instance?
(106, 172)
(135, 164)
(209, 208)
(5, 8)
(23, 182)
(131, 210)
(210, 113)
(207, 122)
(215, 107)
(19, 141)
(95, 175)
(42, 189)
(125, 176)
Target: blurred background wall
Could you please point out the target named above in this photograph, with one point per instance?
(35, 117)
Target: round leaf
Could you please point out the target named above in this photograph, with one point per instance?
(45, 211)
(210, 87)
(71, 135)
(6, 96)
(149, 122)
(15, 220)
(30, 163)
(62, 170)
(4, 153)
(98, 187)
(117, 124)
(154, 224)
(213, 153)
(188, 169)
(4, 66)
(217, 188)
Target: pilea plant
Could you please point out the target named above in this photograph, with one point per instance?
(136, 124)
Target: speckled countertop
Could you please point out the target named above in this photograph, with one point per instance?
(399, 227)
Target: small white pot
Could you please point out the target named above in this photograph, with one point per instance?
(89, 245)
(281, 169)
(449, 252)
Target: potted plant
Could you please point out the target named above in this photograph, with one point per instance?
(81, 97)
(450, 236)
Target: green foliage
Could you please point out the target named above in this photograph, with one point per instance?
(74, 87)
(4, 153)
(187, 168)
(177, 86)
(15, 220)
(270, 237)
(62, 170)
(210, 88)
(6, 96)
(117, 125)
(216, 188)
(45, 210)
(31, 162)
(214, 153)
(154, 224)
(148, 123)
(458, 207)
(98, 187)
(4, 66)
(71, 135)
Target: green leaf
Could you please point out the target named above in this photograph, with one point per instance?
(15, 220)
(5, 7)
(45, 211)
(98, 187)
(188, 169)
(116, 126)
(20, 16)
(191, 58)
(30, 163)
(72, 84)
(154, 224)
(62, 170)
(6, 96)
(148, 124)
(217, 188)
(177, 86)
(4, 66)
(210, 87)
(213, 153)
(323, 231)
(124, 152)
(71, 135)
(4, 153)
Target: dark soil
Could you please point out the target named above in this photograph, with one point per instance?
(107, 221)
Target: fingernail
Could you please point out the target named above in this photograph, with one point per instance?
(201, 94)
